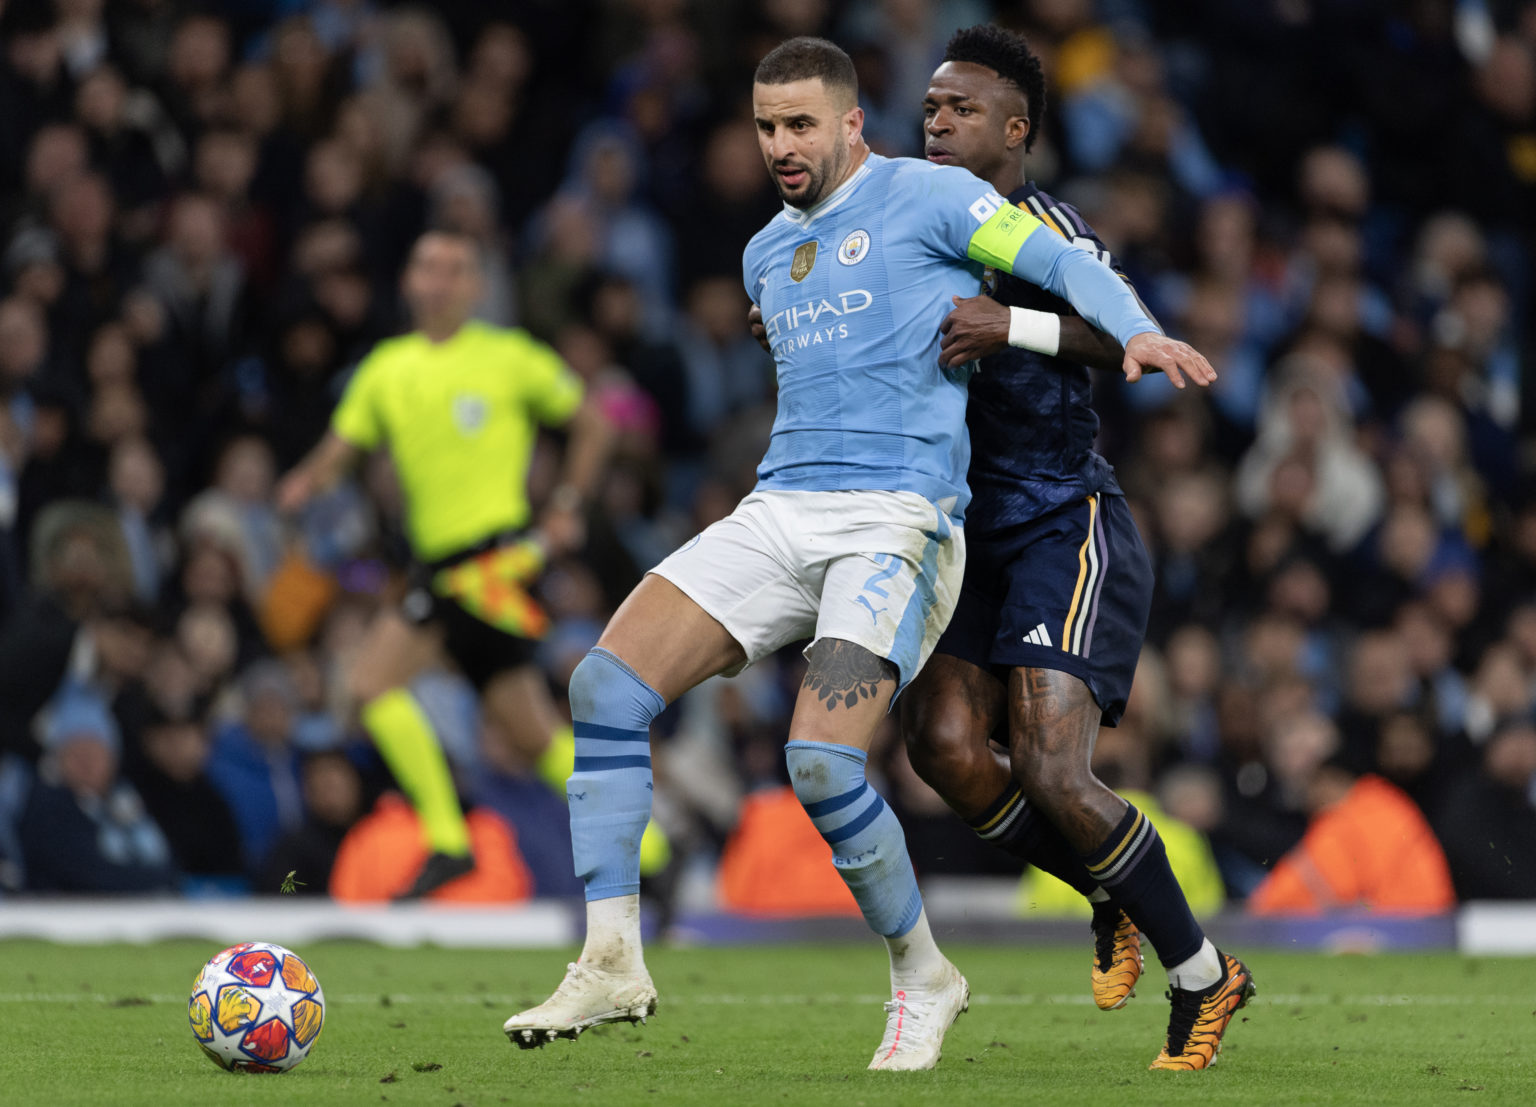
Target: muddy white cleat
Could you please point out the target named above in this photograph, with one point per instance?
(587, 997)
(916, 1020)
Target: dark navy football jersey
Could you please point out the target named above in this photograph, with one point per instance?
(1030, 416)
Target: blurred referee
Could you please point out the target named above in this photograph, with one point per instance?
(458, 404)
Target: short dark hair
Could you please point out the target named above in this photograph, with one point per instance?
(1007, 53)
(804, 58)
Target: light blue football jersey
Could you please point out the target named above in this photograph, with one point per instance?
(853, 290)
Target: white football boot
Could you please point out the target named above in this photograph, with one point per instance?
(587, 997)
(916, 1020)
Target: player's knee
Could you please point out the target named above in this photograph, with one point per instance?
(942, 747)
(604, 690)
(1048, 777)
(586, 680)
(821, 771)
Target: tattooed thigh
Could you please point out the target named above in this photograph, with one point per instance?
(843, 674)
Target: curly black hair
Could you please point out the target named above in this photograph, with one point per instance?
(1008, 54)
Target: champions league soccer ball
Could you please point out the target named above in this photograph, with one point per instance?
(256, 1007)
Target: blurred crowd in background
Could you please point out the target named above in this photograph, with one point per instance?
(204, 208)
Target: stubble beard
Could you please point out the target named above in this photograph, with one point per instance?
(818, 181)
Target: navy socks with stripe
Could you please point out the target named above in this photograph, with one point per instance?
(1013, 824)
(868, 846)
(1132, 866)
(610, 791)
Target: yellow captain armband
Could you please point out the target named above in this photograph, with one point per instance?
(1003, 231)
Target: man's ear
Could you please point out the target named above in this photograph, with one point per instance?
(1017, 130)
(853, 125)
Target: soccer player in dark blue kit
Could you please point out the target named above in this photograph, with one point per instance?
(1058, 585)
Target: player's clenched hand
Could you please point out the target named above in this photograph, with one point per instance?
(977, 327)
(759, 332)
(1168, 354)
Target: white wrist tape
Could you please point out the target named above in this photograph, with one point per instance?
(1039, 331)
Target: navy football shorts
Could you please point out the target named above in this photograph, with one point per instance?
(1070, 590)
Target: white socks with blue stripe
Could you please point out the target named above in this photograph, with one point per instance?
(869, 850)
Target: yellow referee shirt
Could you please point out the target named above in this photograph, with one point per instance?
(459, 418)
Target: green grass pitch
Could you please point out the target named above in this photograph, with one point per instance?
(770, 1025)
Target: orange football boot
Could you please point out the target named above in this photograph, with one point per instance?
(1200, 1018)
(1116, 956)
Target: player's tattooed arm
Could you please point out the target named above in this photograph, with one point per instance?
(843, 674)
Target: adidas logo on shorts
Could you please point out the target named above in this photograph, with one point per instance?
(1039, 636)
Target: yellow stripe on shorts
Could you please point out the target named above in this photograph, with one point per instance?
(1082, 574)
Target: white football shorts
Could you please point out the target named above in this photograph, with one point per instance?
(879, 569)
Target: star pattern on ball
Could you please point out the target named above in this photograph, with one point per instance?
(256, 1007)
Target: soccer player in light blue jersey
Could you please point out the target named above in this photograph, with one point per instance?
(853, 536)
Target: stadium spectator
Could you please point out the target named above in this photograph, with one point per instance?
(535, 810)
(202, 287)
(729, 195)
(123, 146)
(98, 269)
(195, 67)
(136, 488)
(85, 828)
(72, 622)
(413, 76)
(604, 180)
(1441, 698)
(333, 802)
(171, 775)
(59, 152)
(1305, 456)
(224, 166)
(23, 357)
(254, 765)
(464, 198)
(1193, 654)
(727, 371)
(1367, 846)
(1125, 115)
(1487, 820)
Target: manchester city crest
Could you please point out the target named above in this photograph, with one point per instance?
(854, 247)
(804, 261)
